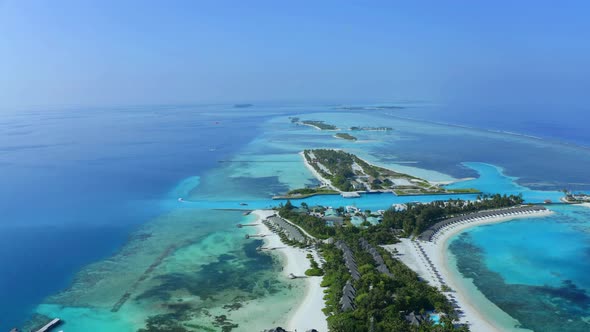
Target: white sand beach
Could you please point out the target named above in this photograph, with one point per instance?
(477, 311)
(308, 313)
(317, 175)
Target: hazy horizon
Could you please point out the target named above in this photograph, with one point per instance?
(100, 53)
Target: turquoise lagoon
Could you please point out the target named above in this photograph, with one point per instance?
(202, 266)
(534, 269)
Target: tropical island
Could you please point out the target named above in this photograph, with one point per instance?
(369, 108)
(243, 105)
(366, 284)
(344, 172)
(321, 125)
(575, 198)
(371, 128)
(345, 136)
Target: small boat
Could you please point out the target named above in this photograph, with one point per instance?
(180, 199)
(243, 204)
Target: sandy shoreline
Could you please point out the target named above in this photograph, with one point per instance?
(317, 175)
(308, 313)
(468, 298)
(320, 178)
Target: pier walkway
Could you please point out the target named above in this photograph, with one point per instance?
(55, 322)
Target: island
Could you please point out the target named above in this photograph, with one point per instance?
(366, 283)
(345, 136)
(575, 198)
(371, 128)
(368, 108)
(345, 172)
(243, 105)
(321, 125)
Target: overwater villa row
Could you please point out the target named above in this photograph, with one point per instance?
(381, 267)
(431, 234)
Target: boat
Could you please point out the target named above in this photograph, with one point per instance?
(243, 204)
(180, 199)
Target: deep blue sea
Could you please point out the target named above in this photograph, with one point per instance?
(77, 183)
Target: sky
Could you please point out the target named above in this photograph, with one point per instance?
(158, 52)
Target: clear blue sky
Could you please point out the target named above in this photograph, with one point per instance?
(142, 52)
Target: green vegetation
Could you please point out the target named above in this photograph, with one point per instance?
(346, 136)
(418, 217)
(381, 301)
(412, 191)
(371, 128)
(313, 225)
(315, 270)
(464, 191)
(319, 124)
(307, 192)
(348, 172)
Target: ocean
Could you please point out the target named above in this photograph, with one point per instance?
(90, 202)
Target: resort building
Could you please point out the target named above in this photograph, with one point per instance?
(349, 260)
(381, 267)
(348, 294)
(431, 233)
(279, 224)
(415, 319)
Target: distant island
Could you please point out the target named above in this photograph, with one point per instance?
(371, 128)
(317, 124)
(322, 125)
(243, 105)
(575, 198)
(345, 136)
(345, 172)
(361, 108)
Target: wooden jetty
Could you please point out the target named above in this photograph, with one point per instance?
(254, 235)
(55, 322)
(244, 225)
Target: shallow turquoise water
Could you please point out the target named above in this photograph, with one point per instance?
(256, 161)
(534, 269)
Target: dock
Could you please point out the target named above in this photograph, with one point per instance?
(248, 236)
(55, 322)
(245, 225)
